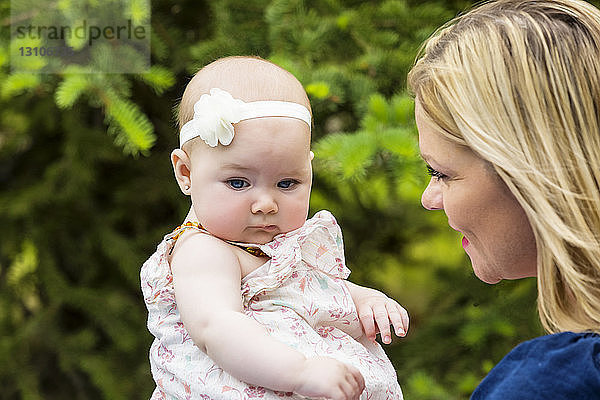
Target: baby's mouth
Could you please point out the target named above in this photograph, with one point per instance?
(267, 228)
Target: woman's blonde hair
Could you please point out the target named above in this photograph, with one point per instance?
(518, 82)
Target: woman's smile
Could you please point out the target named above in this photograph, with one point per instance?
(465, 242)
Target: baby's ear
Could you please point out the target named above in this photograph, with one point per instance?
(182, 167)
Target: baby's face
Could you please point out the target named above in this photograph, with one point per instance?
(259, 185)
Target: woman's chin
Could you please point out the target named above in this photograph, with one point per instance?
(485, 274)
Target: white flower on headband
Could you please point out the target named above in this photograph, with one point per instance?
(214, 116)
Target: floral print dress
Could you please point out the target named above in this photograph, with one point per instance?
(299, 295)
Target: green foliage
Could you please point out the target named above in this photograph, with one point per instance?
(18, 83)
(81, 209)
(131, 127)
(69, 90)
(159, 78)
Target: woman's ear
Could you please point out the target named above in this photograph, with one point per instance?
(182, 168)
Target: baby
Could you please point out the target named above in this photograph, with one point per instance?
(248, 298)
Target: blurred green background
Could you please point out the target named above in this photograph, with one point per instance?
(86, 193)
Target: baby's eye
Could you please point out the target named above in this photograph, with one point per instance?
(286, 183)
(237, 183)
(436, 174)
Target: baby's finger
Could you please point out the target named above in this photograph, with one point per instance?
(396, 313)
(383, 323)
(342, 392)
(350, 387)
(359, 380)
(405, 318)
(365, 314)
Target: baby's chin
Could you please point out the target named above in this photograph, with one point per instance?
(268, 239)
(259, 237)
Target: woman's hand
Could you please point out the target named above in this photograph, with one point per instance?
(377, 312)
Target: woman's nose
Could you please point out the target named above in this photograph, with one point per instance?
(432, 198)
(265, 204)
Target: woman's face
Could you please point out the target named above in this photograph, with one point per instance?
(497, 235)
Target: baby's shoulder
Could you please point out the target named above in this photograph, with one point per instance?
(198, 248)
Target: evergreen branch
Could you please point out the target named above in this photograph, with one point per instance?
(70, 89)
(133, 129)
(346, 156)
(159, 47)
(140, 11)
(159, 78)
(18, 83)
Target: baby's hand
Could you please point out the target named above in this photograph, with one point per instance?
(375, 308)
(324, 377)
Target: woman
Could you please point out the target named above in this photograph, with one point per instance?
(508, 110)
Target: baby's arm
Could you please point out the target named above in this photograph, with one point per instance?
(207, 288)
(375, 308)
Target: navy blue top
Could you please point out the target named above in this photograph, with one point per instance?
(561, 366)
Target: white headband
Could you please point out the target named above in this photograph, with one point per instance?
(215, 114)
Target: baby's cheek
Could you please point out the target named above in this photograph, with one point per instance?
(220, 221)
(299, 214)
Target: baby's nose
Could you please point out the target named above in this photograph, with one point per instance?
(264, 204)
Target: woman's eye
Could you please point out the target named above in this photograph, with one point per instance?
(286, 184)
(237, 183)
(436, 174)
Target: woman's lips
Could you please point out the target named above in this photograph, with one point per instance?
(465, 242)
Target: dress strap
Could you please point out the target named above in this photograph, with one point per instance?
(181, 229)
